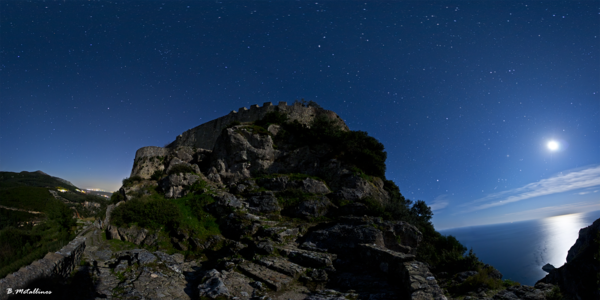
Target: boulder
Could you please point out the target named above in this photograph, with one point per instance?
(264, 202)
(109, 210)
(133, 234)
(354, 188)
(112, 233)
(344, 238)
(225, 203)
(349, 232)
(548, 268)
(213, 286)
(174, 185)
(279, 183)
(312, 208)
(314, 186)
(524, 292)
(239, 151)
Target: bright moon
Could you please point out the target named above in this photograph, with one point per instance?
(553, 145)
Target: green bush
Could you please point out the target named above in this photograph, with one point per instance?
(554, 294)
(194, 218)
(508, 283)
(61, 215)
(353, 147)
(481, 279)
(116, 197)
(127, 182)
(151, 213)
(181, 169)
(157, 175)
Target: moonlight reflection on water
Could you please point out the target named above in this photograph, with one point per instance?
(520, 249)
(560, 232)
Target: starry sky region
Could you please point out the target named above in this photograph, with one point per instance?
(465, 95)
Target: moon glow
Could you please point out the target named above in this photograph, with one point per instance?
(552, 145)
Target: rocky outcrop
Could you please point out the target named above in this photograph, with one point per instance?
(175, 185)
(538, 292)
(159, 161)
(292, 221)
(205, 135)
(239, 152)
(578, 277)
(54, 266)
(350, 232)
(148, 275)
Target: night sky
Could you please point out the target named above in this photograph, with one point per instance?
(465, 96)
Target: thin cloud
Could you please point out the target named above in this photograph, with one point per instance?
(439, 202)
(558, 184)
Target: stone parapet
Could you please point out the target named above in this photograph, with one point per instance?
(58, 265)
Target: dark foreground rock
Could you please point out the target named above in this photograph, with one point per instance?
(578, 278)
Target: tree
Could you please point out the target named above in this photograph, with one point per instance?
(422, 212)
(60, 214)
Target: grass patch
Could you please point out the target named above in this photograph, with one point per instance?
(186, 214)
(480, 280)
(193, 217)
(152, 212)
(292, 197)
(118, 245)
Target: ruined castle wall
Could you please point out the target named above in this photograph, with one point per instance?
(58, 264)
(151, 151)
(205, 135)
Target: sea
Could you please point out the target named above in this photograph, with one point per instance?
(520, 249)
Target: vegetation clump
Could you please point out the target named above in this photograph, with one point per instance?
(157, 175)
(157, 213)
(21, 246)
(181, 169)
(117, 197)
(127, 182)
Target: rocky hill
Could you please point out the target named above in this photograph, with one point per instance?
(279, 207)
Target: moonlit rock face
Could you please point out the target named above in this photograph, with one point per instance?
(552, 145)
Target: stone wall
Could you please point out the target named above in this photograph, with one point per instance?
(146, 161)
(151, 151)
(58, 264)
(205, 135)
